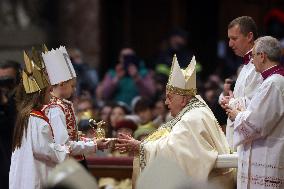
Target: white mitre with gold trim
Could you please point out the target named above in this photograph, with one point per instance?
(182, 82)
(58, 65)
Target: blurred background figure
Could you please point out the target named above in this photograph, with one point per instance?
(211, 90)
(118, 113)
(9, 79)
(87, 77)
(86, 110)
(177, 43)
(274, 26)
(160, 77)
(125, 126)
(161, 113)
(129, 79)
(144, 109)
(104, 114)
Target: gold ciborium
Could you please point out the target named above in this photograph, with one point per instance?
(100, 131)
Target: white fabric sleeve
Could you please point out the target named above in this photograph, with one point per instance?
(43, 144)
(252, 83)
(82, 147)
(263, 113)
(238, 103)
(58, 123)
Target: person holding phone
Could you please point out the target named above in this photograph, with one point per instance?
(128, 80)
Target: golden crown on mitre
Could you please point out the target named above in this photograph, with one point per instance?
(182, 81)
(34, 75)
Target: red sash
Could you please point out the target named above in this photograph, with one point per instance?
(40, 114)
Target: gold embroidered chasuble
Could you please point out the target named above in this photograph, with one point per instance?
(193, 139)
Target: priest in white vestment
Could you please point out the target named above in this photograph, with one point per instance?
(193, 138)
(242, 32)
(259, 130)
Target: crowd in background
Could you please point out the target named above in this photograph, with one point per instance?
(129, 97)
(134, 90)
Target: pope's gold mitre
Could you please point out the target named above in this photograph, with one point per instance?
(182, 82)
(34, 75)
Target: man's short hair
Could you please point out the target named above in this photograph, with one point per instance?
(143, 104)
(14, 65)
(10, 64)
(270, 46)
(246, 24)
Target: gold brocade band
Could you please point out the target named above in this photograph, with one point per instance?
(179, 91)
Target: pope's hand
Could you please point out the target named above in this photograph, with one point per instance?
(126, 143)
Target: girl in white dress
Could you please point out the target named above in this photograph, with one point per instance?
(34, 151)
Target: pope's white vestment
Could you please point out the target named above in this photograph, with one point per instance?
(193, 139)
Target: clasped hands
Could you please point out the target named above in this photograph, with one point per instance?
(126, 143)
(102, 143)
(231, 112)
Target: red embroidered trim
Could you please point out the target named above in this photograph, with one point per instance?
(41, 115)
(267, 181)
(69, 115)
(257, 164)
(244, 131)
